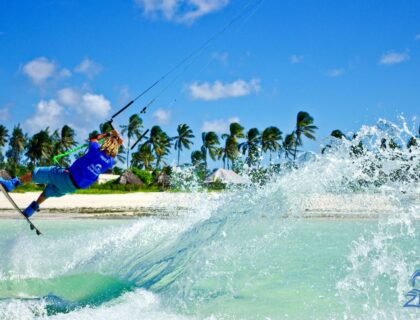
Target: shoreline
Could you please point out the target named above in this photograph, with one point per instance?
(168, 205)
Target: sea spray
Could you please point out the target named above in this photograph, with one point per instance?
(365, 165)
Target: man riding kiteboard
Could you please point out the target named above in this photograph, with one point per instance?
(80, 175)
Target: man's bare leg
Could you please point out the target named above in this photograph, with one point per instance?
(26, 178)
(41, 198)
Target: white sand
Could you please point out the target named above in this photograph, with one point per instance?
(138, 199)
(130, 204)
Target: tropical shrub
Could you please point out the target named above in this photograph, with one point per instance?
(144, 175)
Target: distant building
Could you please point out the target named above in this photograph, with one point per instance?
(227, 177)
(103, 178)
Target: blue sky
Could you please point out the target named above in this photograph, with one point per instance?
(347, 63)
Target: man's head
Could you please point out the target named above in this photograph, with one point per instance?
(112, 143)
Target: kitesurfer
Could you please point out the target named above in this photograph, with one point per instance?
(80, 175)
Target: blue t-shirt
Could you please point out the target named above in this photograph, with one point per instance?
(86, 170)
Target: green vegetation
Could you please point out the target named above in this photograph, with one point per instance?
(144, 175)
(106, 188)
(135, 123)
(111, 187)
(24, 151)
(20, 153)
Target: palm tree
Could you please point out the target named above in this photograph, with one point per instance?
(270, 140)
(160, 142)
(4, 134)
(210, 143)
(40, 148)
(236, 131)
(223, 154)
(289, 145)
(94, 134)
(120, 156)
(412, 142)
(17, 144)
(251, 146)
(196, 158)
(144, 157)
(337, 134)
(304, 125)
(105, 127)
(63, 141)
(135, 123)
(183, 139)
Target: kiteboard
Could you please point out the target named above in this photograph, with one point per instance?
(7, 195)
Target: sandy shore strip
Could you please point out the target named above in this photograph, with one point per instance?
(107, 205)
(167, 204)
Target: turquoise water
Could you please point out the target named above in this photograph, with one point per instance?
(243, 273)
(251, 254)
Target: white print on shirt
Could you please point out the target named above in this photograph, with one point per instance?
(105, 159)
(95, 169)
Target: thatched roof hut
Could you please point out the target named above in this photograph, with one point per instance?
(163, 180)
(130, 178)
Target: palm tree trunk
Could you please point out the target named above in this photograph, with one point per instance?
(296, 144)
(205, 161)
(128, 151)
(179, 153)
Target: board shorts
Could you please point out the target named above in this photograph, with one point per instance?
(58, 181)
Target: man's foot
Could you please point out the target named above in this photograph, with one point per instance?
(31, 209)
(10, 184)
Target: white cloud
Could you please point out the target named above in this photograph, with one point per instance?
(219, 90)
(180, 11)
(335, 72)
(89, 68)
(5, 113)
(64, 73)
(47, 114)
(87, 105)
(81, 110)
(394, 58)
(39, 70)
(95, 105)
(222, 57)
(219, 125)
(162, 116)
(69, 97)
(296, 59)
(124, 94)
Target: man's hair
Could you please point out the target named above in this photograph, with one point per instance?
(112, 144)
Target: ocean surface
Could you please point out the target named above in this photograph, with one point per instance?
(255, 253)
